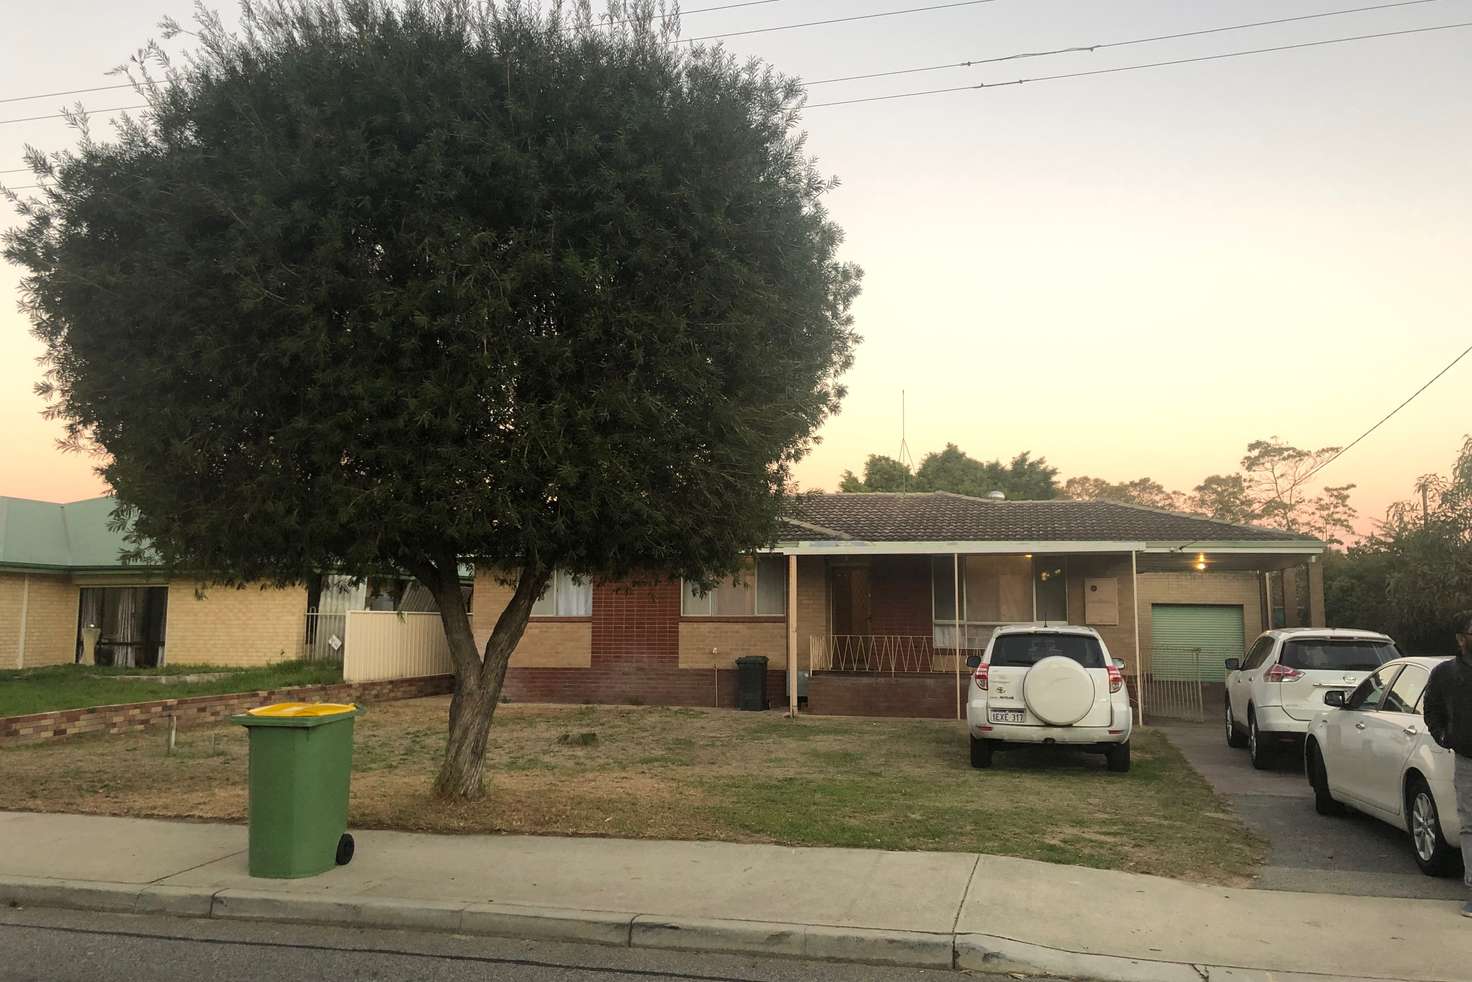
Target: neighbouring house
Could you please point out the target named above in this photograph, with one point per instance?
(61, 572)
(869, 604)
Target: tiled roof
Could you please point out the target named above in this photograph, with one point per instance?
(939, 516)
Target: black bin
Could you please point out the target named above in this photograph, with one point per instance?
(751, 682)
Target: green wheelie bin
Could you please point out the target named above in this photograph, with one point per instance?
(301, 759)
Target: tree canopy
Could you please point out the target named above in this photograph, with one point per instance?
(952, 469)
(413, 285)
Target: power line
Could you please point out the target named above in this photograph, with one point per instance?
(833, 20)
(49, 95)
(1117, 44)
(97, 112)
(1343, 450)
(1133, 68)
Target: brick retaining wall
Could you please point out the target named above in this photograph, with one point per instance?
(930, 695)
(651, 686)
(193, 710)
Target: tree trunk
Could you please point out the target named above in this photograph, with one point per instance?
(477, 680)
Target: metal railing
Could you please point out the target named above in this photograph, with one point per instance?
(1183, 683)
(325, 638)
(889, 654)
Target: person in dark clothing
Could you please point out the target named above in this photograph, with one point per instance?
(1449, 720)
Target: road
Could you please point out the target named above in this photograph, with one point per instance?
(1353, 854)
(84, 946)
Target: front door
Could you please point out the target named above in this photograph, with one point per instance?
(851, 609)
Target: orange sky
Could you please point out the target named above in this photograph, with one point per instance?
(1132, 274)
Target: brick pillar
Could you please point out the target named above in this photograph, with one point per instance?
(1290, 597)
(1316, 616)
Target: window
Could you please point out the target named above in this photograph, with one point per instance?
(1026, 650)
(1370, 693)
(1258, 654)
(1329, 655)
(565, 596)
(1406, 691)
(994, 589)
(760, 590)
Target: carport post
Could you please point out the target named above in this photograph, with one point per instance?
(1139, 663)
(792, 634)
(956, 586)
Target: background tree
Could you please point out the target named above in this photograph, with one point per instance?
(1276, 473)
(952, 469)
(1141, 491)
(1225, 498)
(437, 283)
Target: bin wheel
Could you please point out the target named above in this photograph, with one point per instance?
(345, 849)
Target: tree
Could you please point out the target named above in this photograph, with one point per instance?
(439, 283)
(880, 474)
(1225, 498)
(1275, 473)
(1141, 491)
(952, 469)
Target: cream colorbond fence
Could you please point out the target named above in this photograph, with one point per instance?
(386, 644)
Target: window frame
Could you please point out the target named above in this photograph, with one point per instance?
(553, 582)
(753, 575)
(1360, 707)
(1261, 650)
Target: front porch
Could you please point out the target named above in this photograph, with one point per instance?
(887, 634)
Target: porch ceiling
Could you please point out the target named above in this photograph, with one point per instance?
(1186, 562)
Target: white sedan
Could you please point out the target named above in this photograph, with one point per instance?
(1370, 750)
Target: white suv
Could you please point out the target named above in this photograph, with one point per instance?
(1048, 684)
(1275, 693)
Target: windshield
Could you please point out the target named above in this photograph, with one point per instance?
(1329, 655)
(1026, 650)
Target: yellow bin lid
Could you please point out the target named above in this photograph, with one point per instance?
(302, 709)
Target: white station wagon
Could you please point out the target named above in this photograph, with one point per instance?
(1042, 684)
(1370, 750)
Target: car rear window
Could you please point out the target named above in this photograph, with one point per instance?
(1328, 655)
(1026, 650)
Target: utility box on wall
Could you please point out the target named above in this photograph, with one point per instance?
(1101, 600)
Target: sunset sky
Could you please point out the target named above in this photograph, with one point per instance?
(1133, 274)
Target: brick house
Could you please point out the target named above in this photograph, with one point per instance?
(60, 571)
(869, 603)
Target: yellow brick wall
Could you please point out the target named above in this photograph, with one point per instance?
(1229, 587)
(51, 622)
(546, 643)
(1119, 638)
(812, 604)
(731, 640)
(220, 625)
(49, 602)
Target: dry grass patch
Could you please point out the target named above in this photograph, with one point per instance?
(658, 772)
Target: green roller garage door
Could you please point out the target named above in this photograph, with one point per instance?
(1193, 641)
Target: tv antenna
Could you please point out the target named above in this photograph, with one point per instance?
(905, 457)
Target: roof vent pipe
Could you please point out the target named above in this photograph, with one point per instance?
(997, 495)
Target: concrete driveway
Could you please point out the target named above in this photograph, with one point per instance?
(1352, 854)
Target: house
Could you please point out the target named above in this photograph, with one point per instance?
(61, 572)
(869, 604)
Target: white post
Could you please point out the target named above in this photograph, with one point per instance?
(792, 634)
(1135, 601)
(956, 589)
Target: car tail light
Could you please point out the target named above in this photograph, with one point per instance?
(1282, 673)
(980, 675)
(1116, 680)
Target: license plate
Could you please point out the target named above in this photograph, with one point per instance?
(1006, 716)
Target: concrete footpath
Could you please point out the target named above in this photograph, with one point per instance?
(944, 910)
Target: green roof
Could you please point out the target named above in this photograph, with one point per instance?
(46, 535)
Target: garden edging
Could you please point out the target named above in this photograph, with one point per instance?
(194, 710)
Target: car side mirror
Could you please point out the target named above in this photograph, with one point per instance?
(1118, 663)
(1335, 698)
(1234, 664)
(973, 661)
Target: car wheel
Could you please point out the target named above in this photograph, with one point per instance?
(1258, 745)
(1433, 855)
(1118, 758)
(981, 753)
(1318, 778)
(1235, 739)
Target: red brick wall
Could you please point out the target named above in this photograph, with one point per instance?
(653, 686)
(899, 592)
(636, 625)
(204, 709)
(838, 694)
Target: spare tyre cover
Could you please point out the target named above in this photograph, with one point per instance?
(1058, 690)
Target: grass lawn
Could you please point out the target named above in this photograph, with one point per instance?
(36, 690)
(696, 774)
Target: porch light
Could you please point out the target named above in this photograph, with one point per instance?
(1200, 565)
